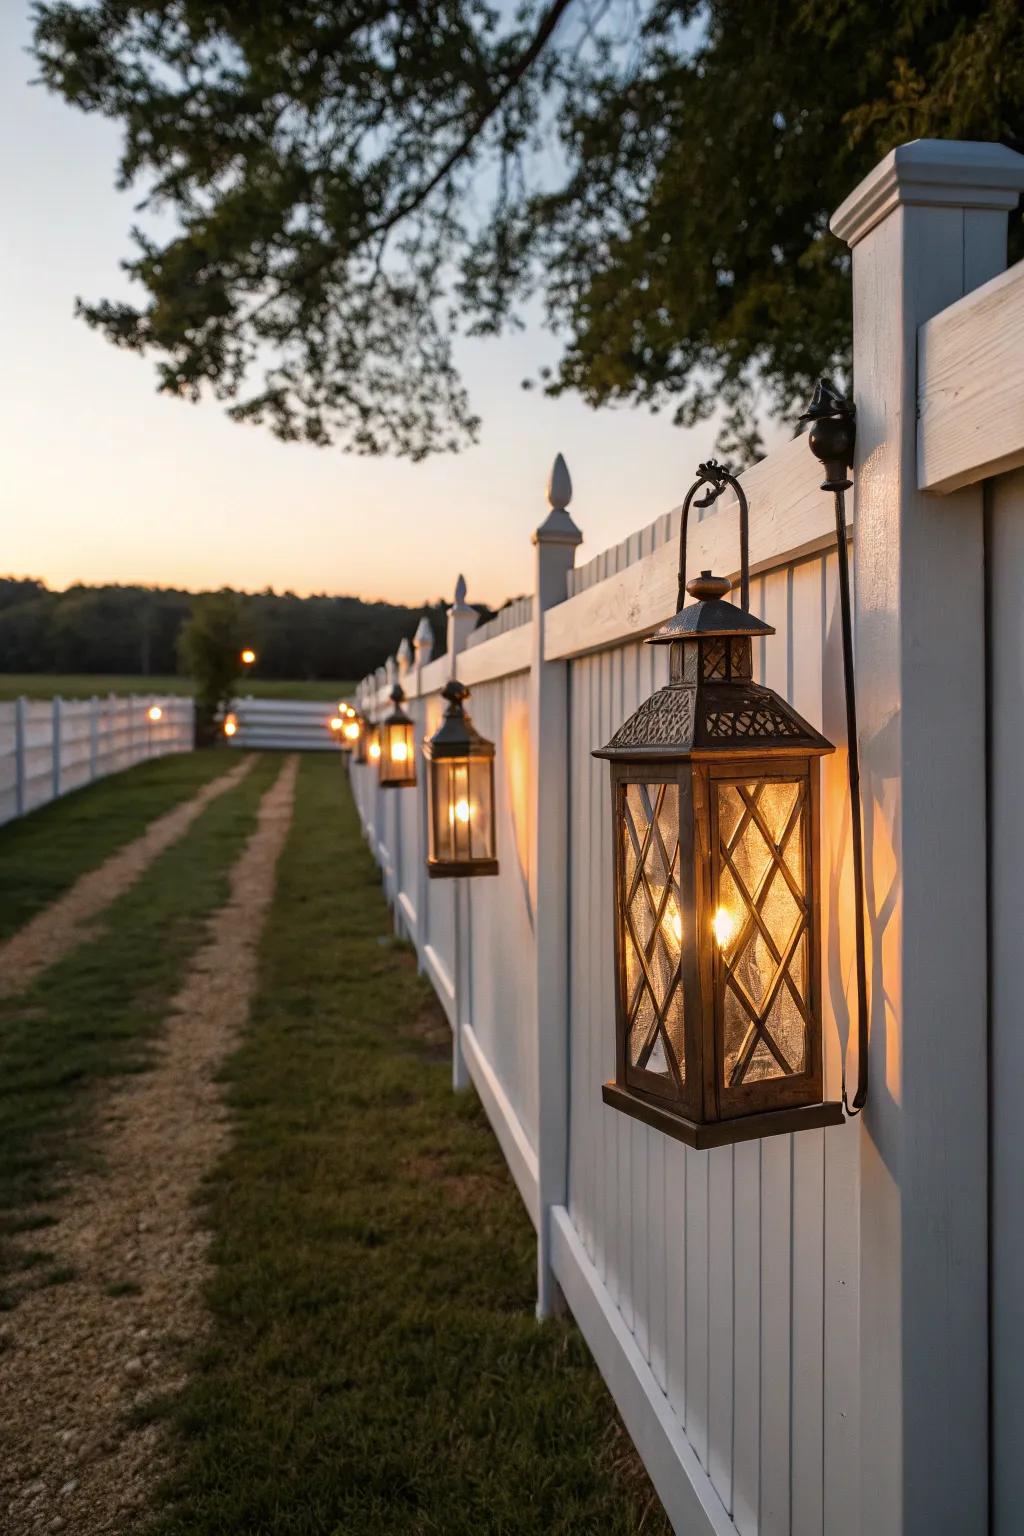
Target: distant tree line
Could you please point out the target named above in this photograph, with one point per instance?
(133, 630)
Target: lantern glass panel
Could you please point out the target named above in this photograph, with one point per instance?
(461, 815)
(397, 759)
(761, 924)
(652, 931)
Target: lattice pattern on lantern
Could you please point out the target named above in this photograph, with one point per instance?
(762, 929)
(756, 720)
(653, 930)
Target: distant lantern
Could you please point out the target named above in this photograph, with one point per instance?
(248, 657)
(230, 725)
(351, 731)
(715, 824)
(335, 724)
(155, 713)
(460, 793)
(373, 744)
(397, 745)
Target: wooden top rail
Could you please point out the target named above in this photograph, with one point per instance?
(970, 386)
(790, 517)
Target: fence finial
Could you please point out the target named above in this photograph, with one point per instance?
(558, 527)
(460, 605)
(462, 620)
(404, 657)
(423, 641)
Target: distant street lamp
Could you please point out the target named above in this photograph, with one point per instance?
(248, 657)
(155, 712)
(230, 725)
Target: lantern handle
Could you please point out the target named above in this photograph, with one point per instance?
(832, 435)
(718, 478)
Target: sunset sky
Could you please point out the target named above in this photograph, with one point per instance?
(104, 480)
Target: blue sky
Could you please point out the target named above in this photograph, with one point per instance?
(104, 480)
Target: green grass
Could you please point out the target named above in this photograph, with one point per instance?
(93, 1014)
(44, 685)
(374, 1366)
(44, 853)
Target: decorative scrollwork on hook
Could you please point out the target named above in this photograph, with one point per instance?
(717, 478)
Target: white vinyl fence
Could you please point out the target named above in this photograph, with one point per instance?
(51, 746)
(287, 725)
(801, 1334)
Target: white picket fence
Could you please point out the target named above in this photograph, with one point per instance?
(51, 746)
(802, 1333)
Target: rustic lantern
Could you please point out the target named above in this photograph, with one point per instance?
(460, 780)
(397, 745)
(715, 825)
(351, 731)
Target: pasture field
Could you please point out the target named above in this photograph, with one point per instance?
(45, 685)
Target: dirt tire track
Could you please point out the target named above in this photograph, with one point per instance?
(75, 1359)
(48, 936)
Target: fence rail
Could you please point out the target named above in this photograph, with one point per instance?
(766, 1315)
(49, 747)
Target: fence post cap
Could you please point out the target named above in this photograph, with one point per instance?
(558, 527)
(935, 173)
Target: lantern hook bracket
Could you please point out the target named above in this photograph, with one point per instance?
(716, 478)
(832, 436)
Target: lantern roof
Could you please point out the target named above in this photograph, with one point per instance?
(457, 736)
(686, 720)
(398, 715)
(710, 616)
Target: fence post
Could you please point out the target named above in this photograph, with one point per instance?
(423, 649)
(927, 225)
(555, 542)
(20, 787)
(462, 620)
(55, 731)
(94, 735)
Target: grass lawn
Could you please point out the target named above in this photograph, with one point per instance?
(93, 1014)
(44, 685)
(44, 853)
(374, 1367)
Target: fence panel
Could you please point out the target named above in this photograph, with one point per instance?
(49, 747)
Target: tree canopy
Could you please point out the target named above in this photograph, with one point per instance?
(135, 630)
(352, 184)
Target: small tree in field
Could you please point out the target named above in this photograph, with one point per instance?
(209, 650)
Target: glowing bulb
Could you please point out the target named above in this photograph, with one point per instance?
(335, 722)
(155, 712)
(375, 750)
(248, 656)
(677, 926)
(460, 811)
(399, 751)
(724, 927)
(230, 725)
(352, 730)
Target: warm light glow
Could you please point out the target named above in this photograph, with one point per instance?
(155, 712)
(460, 811)
(374, 750)
(724, 926)
(248, 656)
(399, 752)
(352, 730)
(230, 725)
(677, 926)
(335, 723)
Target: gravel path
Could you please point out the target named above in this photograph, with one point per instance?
(65, 923)
(77, 1358)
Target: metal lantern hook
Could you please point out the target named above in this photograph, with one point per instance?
(832, 436)
(717, 478)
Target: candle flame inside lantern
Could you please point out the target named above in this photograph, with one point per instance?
(335, 723)
(399, 752)
(724, 927)
(460, 811)
(230, 725)
(375, 750)
(352, 730)
(248, 656)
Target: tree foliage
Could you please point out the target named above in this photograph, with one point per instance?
(134, 630)
(352, 183)
(209, 651)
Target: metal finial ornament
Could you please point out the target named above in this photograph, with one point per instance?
(832, 439)
(715, 478)
(559, 485)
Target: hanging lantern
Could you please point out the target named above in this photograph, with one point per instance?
(397, 745)
(460, 793)
(715, 826)
(351, 731)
